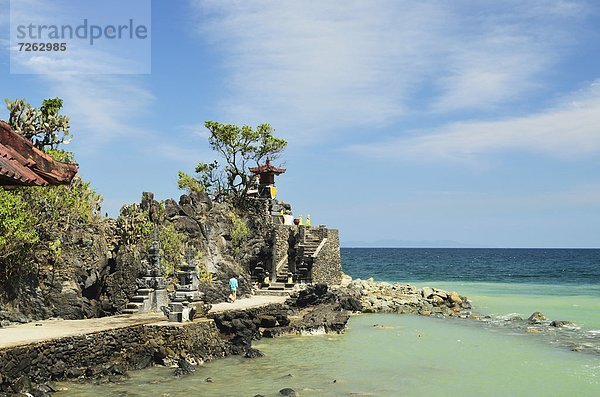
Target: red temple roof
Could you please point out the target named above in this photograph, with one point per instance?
(267, 167)
(23, 164)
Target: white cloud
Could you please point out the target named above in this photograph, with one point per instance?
(102, 105)
(322, 66)
(569, 130)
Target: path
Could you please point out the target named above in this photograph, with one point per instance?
(38, 331)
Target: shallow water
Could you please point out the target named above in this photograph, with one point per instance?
(579, 304)
(383, 355)
(410, 355)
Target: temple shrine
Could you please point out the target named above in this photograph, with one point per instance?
(265, 175)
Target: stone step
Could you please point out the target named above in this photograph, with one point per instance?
(134, 305)
(139, 298)
(267, 292)
(276, 286)
(130, 311)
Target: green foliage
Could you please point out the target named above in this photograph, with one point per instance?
(59, 208)
(134, 227)
(239, 147)
(44, 126)
(173, 248)
(189, 183)
(34, 220)
(239, 232)
(204, 275)
(17, 232)
(61, 155)
(133, 224)
(55, 250)
(38, 217)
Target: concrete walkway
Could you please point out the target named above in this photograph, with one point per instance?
(38, 331)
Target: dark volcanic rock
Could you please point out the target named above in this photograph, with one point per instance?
(288, 392)
(561, 323)
(21, 385)
(187, 225)
(172, 208)
(184, 368)
(253, 353)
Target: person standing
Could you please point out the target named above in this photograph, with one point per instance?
(233, 286)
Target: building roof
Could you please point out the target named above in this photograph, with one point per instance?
(267, 167)
(23, 164)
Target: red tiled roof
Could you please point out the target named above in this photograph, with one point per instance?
(267, 167)
(21, 163)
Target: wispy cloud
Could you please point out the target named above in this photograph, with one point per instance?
(371, 62)
(569, 130)
(102, 105)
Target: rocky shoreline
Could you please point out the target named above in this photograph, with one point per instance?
(314, 309)
(107, 356)
(384, 297)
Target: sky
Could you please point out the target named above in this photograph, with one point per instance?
(470, 121)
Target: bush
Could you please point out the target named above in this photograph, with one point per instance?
(17, 233)
(239, 231)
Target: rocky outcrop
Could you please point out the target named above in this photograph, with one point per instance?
(383, 297)
(102, 259)
(70, 289)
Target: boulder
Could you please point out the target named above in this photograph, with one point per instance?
(561, 323)
(455, 298)
(267, 321)
(187, 225)
(184, 368)
(536, 318)
(426, 292)
(172, 208)
(252, 353)
(288, 392)
(22, 385)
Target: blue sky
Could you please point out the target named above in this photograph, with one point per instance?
(471, 121)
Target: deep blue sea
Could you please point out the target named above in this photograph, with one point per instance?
(541, 266)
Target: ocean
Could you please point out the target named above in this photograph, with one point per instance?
(405, 355)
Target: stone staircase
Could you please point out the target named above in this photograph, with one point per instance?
(307, 252)
(276, 289)
(140, 301)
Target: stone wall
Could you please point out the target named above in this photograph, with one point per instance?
(111, 352)
(327, 267)
(281, 246)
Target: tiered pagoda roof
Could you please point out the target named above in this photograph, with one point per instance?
(267, 168)
(22, 164)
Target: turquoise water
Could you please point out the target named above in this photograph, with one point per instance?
(401, 355)
(579, 304)
(383, 355)
(564, 284)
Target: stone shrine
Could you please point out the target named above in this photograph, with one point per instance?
(151, 294)
(186, 300)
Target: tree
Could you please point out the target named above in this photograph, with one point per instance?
(35, 220)
(44, 126)
(239, 148)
